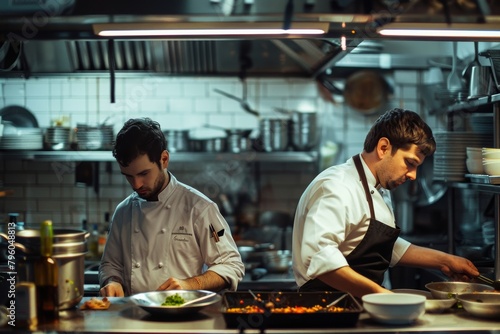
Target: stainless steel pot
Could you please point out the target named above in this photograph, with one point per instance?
(208, 145)
(177, 140)
(69, 249)
(303, 128)
(274, 134)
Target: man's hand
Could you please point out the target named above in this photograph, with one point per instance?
(177, 284)
(112, 289)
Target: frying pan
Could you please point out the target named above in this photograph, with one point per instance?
(19, 116)
(366, 91)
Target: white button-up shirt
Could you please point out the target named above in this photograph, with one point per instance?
(149, 242)
(332, 218)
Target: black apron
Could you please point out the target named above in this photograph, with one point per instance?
(371, 258)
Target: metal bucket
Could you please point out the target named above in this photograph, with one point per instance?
(69, 249)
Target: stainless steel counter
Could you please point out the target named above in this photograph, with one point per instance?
(125, 317)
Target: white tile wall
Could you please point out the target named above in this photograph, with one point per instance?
(47, 190)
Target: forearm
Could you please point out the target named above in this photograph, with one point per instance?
(423, 257)
(208, 281)
(347, 280)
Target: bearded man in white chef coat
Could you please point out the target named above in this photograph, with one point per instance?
(345, 236)
(165, 235)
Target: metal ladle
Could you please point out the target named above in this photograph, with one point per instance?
(494, 284)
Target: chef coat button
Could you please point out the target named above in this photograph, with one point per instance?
(137, 265)
(372, 192)
(163, 230)
(160, 265)
(136, 230)
(169, 206)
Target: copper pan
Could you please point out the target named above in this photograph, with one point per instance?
(366, 91)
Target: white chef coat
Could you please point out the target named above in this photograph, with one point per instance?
(149, 242)
(332, 218)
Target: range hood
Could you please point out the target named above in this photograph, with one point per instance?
(50, 37)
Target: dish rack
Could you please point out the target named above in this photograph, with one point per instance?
(494, 56)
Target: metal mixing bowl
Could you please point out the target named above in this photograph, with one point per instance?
(481, 304)
(446, 290)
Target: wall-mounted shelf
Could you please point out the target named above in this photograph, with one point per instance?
(292, 156)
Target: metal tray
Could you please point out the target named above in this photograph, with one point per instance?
(346, 318)
(483, 178)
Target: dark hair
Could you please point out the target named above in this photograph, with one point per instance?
(403, 128)
(139, 136)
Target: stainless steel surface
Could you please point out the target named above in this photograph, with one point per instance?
(124, 316)
(274, 134)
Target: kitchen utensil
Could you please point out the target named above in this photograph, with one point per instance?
(151, 301)
(366, 91)
(467, 72)
(243, 101)
(481, 82)
(69, 249)
(481, 304)
(19, 116)
(446, 290)
(274, 134)
(489, 281)
(454, 81)
(199, 299)
(337, 300)
(345, 317)
(394, 308)
(177, 140)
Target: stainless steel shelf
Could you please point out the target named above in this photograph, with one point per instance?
(310, 156)
(487, 188)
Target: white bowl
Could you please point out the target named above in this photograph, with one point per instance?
(439, 305)
(474, 152)
(491, 167)
(474, 166)
(490, 153)
(394, 308)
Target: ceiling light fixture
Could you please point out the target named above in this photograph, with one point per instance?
(208, 29)
(437, 30)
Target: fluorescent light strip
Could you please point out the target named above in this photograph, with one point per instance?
(208, 32)
(439, 33)
(208, 29)
(483, 30)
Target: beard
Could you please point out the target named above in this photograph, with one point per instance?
(393, 184)
(158, 186)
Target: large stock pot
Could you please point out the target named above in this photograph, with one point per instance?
(69, 249)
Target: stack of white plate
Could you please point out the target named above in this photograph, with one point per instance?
(450, 156)
(15, 138)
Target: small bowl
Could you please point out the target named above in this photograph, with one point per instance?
(474, 166)
(439, 305)
(447, 290)
(492, 168)
(481, 304)
(394, 308)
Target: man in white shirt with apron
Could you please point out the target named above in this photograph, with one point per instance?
(345, 236)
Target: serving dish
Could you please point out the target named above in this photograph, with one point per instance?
(394, 308)
(151, 301)
(446, 290)
(481, 304)
(253, 313)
